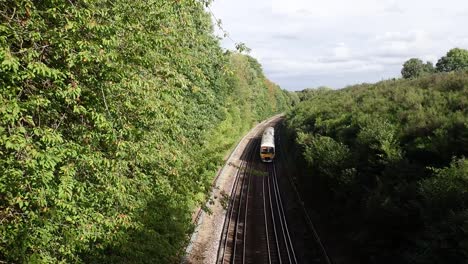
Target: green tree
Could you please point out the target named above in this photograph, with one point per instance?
(387, 163)
(114, 118)
(456, 59)
(414, 67)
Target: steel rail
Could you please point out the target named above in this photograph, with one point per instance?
(227, 224)
(286, 233)
(273, 220)
(233, 243)
(248, 166)
(239, 186)
(283, 231)
(247, 201)
(239, 208)
(266, 221)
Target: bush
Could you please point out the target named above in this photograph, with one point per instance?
(389, 158)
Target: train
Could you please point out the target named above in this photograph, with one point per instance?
(267, 146)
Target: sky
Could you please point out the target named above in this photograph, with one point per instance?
(309, 43)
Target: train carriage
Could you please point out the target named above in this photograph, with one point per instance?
(267, 147)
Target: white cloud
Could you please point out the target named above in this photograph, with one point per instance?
(393, 7)
(329, 8)
(341, 51)
(304, 43)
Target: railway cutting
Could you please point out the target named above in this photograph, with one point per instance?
(261, 222)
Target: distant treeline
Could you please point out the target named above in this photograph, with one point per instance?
(385, 164)
(456, 59)
(114, 118)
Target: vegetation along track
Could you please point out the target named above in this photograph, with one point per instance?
(263, 223)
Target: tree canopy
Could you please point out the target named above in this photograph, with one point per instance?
(456, 59)
(415, 68)
(114, 118)
(386, 164)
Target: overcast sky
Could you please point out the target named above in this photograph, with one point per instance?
(308, 43)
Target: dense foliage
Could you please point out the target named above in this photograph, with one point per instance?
(414, 67)
(386, 164)
(456, 59)
(114, 117)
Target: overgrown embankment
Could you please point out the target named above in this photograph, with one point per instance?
(114, 116)
(385, 164)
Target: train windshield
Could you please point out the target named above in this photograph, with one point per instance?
(265, 150)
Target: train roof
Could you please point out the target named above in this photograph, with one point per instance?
(269, 130)
(268, 140)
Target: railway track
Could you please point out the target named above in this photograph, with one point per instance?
(232, 247)
(257, 228)
(282, 236)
